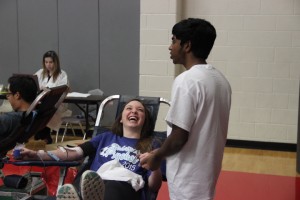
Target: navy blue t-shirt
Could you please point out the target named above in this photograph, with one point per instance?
(110, 146)
(113, 147)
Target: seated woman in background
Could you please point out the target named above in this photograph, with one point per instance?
(131, 134)
(50, 76)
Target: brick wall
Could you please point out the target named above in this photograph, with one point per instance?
(257, 49)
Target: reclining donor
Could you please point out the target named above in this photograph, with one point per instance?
(131, 135)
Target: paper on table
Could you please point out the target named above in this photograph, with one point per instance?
(77, 94)
(3, 89)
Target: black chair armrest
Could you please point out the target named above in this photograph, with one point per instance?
(64, 165)
(45, 163)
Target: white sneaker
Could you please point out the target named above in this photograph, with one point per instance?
(67, 192)
(91, 186)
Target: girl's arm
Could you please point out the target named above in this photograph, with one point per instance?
(63, 154)
(155, 180)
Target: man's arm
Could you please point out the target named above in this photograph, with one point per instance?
(173, 144)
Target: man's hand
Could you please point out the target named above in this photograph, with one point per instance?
(173, 144)
(150, 160)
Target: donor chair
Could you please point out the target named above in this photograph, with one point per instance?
(108, 111)
(33, 120)
(112, 106)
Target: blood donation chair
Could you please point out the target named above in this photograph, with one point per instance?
(33, 120)
(110, 109)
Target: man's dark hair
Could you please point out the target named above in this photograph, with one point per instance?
(25, 85)
(199, 32)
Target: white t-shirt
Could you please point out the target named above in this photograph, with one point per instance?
(200, 104)
(62, 79)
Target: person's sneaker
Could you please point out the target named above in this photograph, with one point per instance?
(67, 192)
(91, 186)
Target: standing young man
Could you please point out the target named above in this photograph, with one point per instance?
(21, 93)
(198, 116)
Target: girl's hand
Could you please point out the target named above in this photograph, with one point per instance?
(27, 154)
